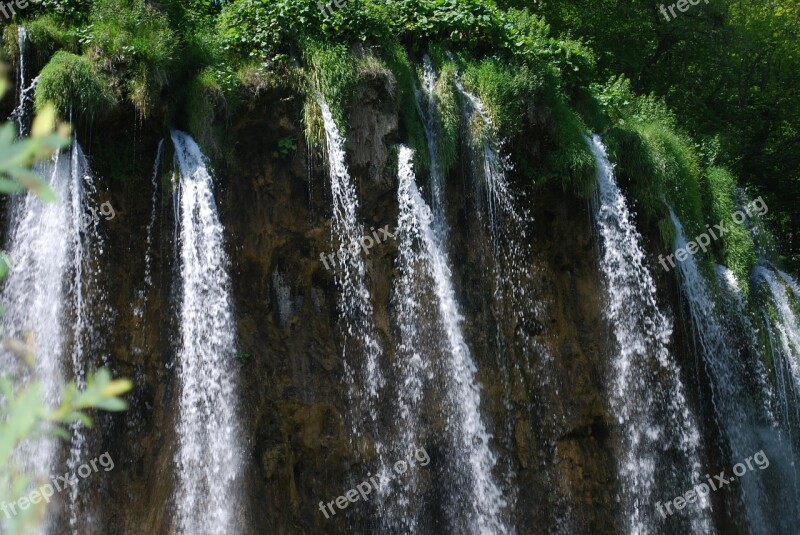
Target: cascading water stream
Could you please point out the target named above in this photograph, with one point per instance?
(783, 328)
(659, 437)
(25, 94)
(426, 107)
(476, 503)
(355, 303)
(148, 279)
(208, 457)
(512, 274)
(52, 247)
(739, 322)
(742, 420)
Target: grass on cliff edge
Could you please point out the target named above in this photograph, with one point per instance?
(75, 86)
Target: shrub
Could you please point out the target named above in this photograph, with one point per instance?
(74, 86)
(333, 73)
(137, 44)
(738, 251)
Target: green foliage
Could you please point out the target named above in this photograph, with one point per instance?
(523, 103)
(622, 104)
(73, 85)
(531, 40)
(73, 11)
(24, 416)
(48, 34)
(286, 146)
(267, 31)
(448, 117)
(661, 167)
(510, 93)
(729, 70)
(137, 45)
(17, 156)
(570, 161)
(333, 74)
(207, 99)
(407, 85)
(738, 251)
(464, 23)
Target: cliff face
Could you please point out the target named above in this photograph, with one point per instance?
(542, 381)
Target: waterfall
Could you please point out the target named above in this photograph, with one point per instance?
(740, 322)
(52, 247)
(21, 113)
(744, 425)
(208, 456)
(476, 503)
(513, 276)
(148, 280)
(426, 107)
(659, 439)
(783, 328)
(355, 303)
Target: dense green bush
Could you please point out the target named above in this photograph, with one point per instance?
(738, 249)
(540, 89)
(333, 74)
(75, 86)
(137, 45)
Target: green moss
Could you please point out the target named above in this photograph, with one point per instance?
(525, 103)
(660, 166)
(738, 250)
(508, 92)
(137, 43)
(314, 125)
(448, 117)
(333, 74)
(412, 130)
(571, 161)
(207, 100)
(75, 87)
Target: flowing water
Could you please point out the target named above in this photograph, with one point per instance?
(355, 303)
(745, 426)
(476, 503)
(427, 109)
(508, 227)
(782, 322)
(22, 112)
(208, 458)
(513, 278)
(659, 438)
(52, 247)
(141, 304)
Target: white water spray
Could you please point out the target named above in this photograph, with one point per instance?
(148, 279)
(743, 422)
(208, 455)
(52, 247)
(477, 503)
(355, 303)
(659, 435)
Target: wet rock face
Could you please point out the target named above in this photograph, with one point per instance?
(548, 415)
